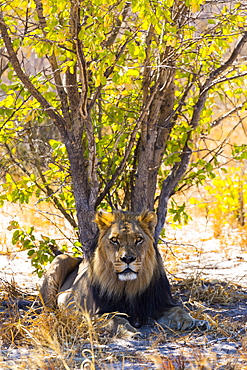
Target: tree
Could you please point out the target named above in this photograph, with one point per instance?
(129, 89)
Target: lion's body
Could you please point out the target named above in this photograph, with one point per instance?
(125, 274)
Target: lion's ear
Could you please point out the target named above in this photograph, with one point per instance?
(149, 219)
(104, 219)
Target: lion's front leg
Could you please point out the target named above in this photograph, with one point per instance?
(177, 318)
(59, 269)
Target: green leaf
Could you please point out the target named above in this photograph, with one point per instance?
(16, 236)
(31, 252)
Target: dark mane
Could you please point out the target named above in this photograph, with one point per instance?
(149, 304)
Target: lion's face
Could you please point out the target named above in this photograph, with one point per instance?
(125, 251)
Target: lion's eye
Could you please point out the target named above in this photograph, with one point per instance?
(139, 239)
(114, 240)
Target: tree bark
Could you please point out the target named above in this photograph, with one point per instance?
(154, 135)
(168, 187)
(81, 189)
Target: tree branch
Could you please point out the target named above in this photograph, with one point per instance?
(109, 71)
(75, 29)
(128, 149)
(168, 187)
(218, 120)
(179, 168)
(213, 75)
(116, 30)
(225, 79)
(235, 53)
(54, 66)
(58, 120)
(46, 190)
(83, 109)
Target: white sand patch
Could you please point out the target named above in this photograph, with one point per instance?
(199, 253)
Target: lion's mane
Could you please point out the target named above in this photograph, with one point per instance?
(149, 294)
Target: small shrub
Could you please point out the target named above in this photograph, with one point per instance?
(226, 198)
(40, 251)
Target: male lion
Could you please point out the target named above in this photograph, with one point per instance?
(125, 274)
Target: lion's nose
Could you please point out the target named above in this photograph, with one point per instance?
(127, 258)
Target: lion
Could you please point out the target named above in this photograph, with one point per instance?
(125, 274)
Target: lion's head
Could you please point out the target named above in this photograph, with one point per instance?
(125, 258)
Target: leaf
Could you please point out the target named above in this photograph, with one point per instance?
(31, 252)
(132, 72)
(45, 238)
(15, 236)
(26, 244)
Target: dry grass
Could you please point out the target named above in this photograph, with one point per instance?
(65, 340)
(55, 341)
(210, 292)
(210, 300)
(54, 338)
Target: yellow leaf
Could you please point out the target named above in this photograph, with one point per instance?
(133, 72)
(171, 41)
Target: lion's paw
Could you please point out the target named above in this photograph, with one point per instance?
(124, 332)
(178, 319)
(200, 324)
(191, 323)
(121, 328)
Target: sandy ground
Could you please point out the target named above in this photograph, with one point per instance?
(190, 251)
(198, 252)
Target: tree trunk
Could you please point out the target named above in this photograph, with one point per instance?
(154, 136)
(81, 189)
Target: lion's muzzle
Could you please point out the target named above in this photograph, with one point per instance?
(127, 264)
(128, 268)
(127, 274)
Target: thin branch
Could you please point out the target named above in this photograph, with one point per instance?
(16, 110)
(116, 30)
(83, 77)
(51, 194)
(55, 69)
(75, 29)
(46, 190)
(212, 77)
(109, 71)
(235, 53)
(226, 79)
(146, 65)
(217, 121)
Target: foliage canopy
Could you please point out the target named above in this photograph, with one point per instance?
(111, 104)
